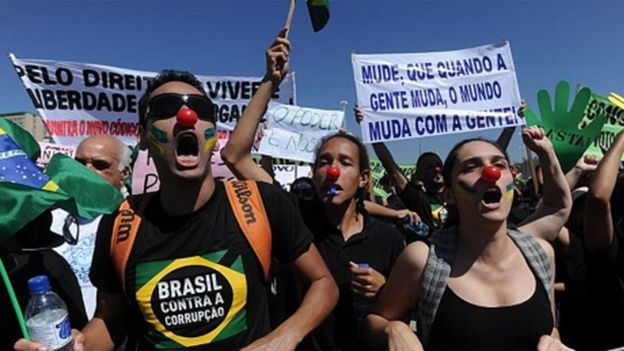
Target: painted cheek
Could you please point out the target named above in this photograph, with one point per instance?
(211, 139)
(465, 192)
(510, 191)
(154, 146)
(158, 134)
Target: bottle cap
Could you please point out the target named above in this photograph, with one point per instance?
(38, 284)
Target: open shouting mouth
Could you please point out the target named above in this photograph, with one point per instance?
(187, 150)
(491, 197)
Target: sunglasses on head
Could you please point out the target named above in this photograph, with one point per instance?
(168, 104)
(100, 165)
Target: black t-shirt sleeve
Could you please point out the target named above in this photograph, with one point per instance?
(103, 274)
(413, 198)
(290, 237)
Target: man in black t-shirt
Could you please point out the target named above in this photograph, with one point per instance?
(192, 279)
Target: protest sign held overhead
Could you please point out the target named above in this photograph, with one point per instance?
(602, 106)
(563, 126)
(295, 131)
(408, 96)
(77, 100)
(377, 172)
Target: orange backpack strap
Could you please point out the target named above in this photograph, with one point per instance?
(125, 230)
(251, 216)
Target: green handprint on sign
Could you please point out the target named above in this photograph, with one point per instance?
(562, 126)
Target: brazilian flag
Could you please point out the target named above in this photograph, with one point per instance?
(27, 191)
(319, 13)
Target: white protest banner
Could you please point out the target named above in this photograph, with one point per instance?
(424, 94)
(77, 100)
(48, 150)
(294, 131)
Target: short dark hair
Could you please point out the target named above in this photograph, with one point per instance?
(166, 76)
(421, 159)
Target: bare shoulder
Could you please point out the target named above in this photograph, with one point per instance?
(415, 255)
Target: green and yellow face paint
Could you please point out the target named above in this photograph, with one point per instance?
(211, 139)
(467, 192)
(155, 138)
(510, 191)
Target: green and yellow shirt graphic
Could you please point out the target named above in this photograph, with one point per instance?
(192, 301)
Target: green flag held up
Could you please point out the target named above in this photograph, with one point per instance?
(27, 191)
(319, 13)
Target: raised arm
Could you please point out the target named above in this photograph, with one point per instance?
(385, 157)
(547, 220)
(598, 222)
(505, 137)
(386, 328)
(584, 165)
(237, 152)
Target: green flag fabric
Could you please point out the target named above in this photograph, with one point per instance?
(319, 13)
(27, 191)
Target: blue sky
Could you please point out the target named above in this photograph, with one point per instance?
(578, 41)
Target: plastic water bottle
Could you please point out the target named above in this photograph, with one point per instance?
(361, 307)
(420, 229)
(46, 316)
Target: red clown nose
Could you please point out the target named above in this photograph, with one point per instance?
(186, 117)
(491, 174)
(333, 173)
(437, 169)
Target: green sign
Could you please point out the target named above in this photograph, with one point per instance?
(563, 126)
(377, 172)
(601, 106)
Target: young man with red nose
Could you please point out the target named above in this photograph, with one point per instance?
(193, 277)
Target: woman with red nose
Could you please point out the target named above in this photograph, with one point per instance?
(480, 285)
(358, 249)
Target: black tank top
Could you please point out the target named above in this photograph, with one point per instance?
(459, 324)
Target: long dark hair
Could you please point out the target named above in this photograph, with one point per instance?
(363, 164)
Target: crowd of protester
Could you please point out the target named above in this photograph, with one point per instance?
(509, 261)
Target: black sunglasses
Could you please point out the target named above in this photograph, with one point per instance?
(168, 104)
(100, 165)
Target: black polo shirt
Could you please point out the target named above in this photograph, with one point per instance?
(378, 245)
